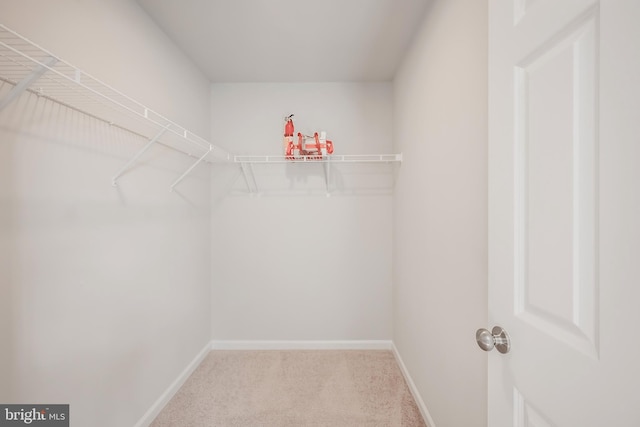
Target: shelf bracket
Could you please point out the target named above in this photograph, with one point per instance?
(247, 171)
(190, 169)
(124, 168)
(327, 174)
(24, 84)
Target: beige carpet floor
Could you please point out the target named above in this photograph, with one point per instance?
(294, 389)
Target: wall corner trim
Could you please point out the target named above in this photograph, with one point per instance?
(165, 397)
(303, 345)
(412, 387)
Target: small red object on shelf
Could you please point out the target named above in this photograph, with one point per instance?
(315, 147)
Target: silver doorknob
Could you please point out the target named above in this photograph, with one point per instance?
(497, 338)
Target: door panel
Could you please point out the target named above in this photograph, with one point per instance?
(555, 145)
(526, 415)
(564, 212)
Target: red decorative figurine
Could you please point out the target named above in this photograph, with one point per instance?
(315, 147)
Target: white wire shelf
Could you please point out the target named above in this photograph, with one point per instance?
(247, 162)
(334, 158)
(29, 67)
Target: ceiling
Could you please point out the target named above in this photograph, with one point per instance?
(291, 40)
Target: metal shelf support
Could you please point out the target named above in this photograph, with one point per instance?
(249, 177)
(327, 174)
(124, 168)
(191, 168)
(27, 81)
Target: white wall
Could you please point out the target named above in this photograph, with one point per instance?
(291, 263)
(440, 219)
(106, 291)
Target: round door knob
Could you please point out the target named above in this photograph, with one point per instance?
(497, 338)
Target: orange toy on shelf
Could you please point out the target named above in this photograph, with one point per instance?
(308, 147)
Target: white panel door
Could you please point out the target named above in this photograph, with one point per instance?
(564, 212)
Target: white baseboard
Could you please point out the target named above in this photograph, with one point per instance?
(159, 404)
(414, 391)
(302, 345)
